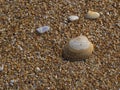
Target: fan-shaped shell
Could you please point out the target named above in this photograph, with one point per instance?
(78, 48)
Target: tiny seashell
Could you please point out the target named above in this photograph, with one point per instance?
(92, 15)
(73, 18)
(43, 29)
(1, 68)
(78, 48)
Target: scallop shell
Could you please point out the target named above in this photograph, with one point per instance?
(73, 18)
(92, 15)
(43, 29)
(78, 48)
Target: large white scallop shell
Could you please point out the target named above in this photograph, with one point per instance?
(78, 48)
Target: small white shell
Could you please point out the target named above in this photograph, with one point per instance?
(92, 15)
(73, 18)
(43, 29)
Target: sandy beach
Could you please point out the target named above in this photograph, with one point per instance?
(33, 61)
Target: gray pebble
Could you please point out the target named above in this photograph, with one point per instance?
(43, 29)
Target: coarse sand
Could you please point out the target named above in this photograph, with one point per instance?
(33, 61)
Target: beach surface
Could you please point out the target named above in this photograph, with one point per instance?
(33, 61)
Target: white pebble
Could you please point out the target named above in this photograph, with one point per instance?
(38, 69)
(1, 68)
(92, 15)
(20, 47)
(12, 82)
(43, 29)
(73, 18)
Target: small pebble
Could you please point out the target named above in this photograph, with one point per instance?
(37, 69)
(1, 68)
(12, 82)
(20, 47)
(92, 15)
(73, 18)
(43, 29)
